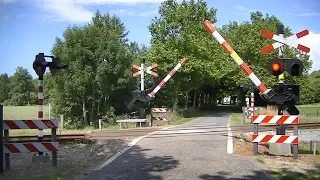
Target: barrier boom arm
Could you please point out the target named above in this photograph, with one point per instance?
(171, 73)
(244, 67)
(151, 95)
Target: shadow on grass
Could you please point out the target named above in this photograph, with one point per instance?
(281, 174)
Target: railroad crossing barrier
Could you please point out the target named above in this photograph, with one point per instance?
(164, 115)
(10, 148)
(280, 139)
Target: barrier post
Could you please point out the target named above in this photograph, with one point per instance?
(54, 153)
(6, 155)
(1, 140)
(151, 120)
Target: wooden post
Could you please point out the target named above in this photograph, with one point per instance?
(61, 121)
(100, 126)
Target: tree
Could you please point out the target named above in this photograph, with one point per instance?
(98, 57)
(21, 87)
(178, 33)
(4, 87)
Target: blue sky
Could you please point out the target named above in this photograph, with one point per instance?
(28, 27)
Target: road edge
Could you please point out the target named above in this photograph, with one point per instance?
(129, 145)
(230, 138)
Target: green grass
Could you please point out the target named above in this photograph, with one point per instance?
(23, 112)
(285, 174)
(260, 160)
(308, 113)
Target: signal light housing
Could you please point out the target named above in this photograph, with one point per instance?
(56, 66)
(40, 64)
(276, 66)
(294, 67)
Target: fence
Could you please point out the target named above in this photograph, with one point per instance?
(164, 115)
(8, 148)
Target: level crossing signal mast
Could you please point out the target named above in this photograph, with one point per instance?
(40, 65)
(287, 94)
(150, 96)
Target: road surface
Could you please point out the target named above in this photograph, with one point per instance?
(197, 150)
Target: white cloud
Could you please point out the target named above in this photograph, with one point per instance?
(77, 10)
(305, 14)
(242, 8)
(313, 42)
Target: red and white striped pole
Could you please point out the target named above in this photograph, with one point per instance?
(244, 67)
(40, 108)
(252, 106)
(171, 73)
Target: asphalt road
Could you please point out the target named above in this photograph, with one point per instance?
(197, 150)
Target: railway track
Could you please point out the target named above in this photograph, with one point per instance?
(64, 138)
(47, 138)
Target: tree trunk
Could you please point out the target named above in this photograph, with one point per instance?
(175, 103)
(92, 105)
(199, 101)
(194, 99)
(186, 100)
(84, 111)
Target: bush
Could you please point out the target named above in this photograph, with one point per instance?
(190, 112)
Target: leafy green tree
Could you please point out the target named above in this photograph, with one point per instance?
(4, 87)
(21, 87)
(178, 33)
(99, 59)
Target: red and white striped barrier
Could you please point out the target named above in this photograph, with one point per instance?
(171, 73)
(290, 41)
(244, 67)
(280, 139)
(30, 124)
(31, 147)
(161, 118)
(159, 109)
(277, 119)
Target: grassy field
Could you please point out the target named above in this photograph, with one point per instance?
(308, 113)
(31, 113)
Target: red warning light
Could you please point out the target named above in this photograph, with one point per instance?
(276, 66)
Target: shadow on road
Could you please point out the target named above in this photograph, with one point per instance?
(261, 175)
(135, 164)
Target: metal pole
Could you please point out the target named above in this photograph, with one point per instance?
(255, 126)
(142, 107)
(280, 130)
(40, 108)
(1, 140)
